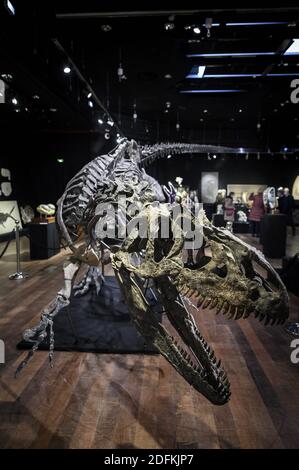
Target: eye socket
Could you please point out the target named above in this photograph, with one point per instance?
(220, 271)
(254, 294)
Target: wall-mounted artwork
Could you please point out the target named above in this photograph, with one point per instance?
(2, 92)
(5, 183)
(295, 190)
(9, 207)
(243, 191)
(209, 186)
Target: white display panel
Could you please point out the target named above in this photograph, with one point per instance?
(9, 207)
(209, 186)
(295, 190)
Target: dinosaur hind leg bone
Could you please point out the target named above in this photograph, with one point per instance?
(38, 333)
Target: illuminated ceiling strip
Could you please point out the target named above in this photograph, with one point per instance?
(293, 49)
(233, 54)
(243, 75)
(211, 91)
(261, 23)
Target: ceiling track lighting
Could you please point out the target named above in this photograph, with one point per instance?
(208, 25)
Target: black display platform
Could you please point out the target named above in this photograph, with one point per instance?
(241, 227)
(100, 324)
(273, 235)
(44, 240)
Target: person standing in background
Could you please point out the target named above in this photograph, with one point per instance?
(286, 206)
(229, 209)
(256, 213)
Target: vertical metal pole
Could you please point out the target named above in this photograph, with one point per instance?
(18, 275)
(18, 247)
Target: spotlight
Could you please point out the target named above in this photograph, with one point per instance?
(285, 149)
(258, 126)
(89, 95)
(168, 157)
(14, 101)
(110, 123)
(214, 156)
(168, 26)
(135, 116)
(67, 69)
(177, 126)
(168, 104)
(60, 160)
(100, 121)
(106, 28)
(53, 110)
(196, 30)
(168, 76)
(107, 135)
(205, 111)
(9, 7)
(90, 103)
(35, 97)
(240, 110)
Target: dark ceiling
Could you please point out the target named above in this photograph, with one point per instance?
(43, 37)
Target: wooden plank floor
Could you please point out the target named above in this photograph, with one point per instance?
(139, 401)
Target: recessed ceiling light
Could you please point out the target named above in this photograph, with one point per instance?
(196, 30)
(67, 69)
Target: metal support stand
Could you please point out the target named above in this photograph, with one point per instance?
(18, 274)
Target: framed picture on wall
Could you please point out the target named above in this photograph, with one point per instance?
(209, 186)
(9, 207)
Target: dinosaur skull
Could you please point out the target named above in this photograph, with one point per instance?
(229, 280)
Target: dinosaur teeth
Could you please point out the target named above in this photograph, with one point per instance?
(200, 300)
(225, 308)
(214, 303)
(219, 308)
(267, 320)
(206, 303)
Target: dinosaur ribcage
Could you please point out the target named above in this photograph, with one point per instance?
(81, 189)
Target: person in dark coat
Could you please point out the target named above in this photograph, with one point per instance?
(286, 206)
